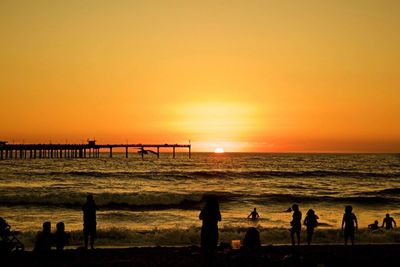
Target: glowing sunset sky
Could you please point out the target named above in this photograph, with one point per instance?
(243, 75)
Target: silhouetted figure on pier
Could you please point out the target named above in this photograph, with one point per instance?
(310, 221)
(253, 215)
(61, 238)
(296, 224)
(89, 221)
(388, 222)
(44, 239)
(349, 224)
(210, 215)
(374, 226)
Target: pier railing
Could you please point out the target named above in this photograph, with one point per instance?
(89, 150)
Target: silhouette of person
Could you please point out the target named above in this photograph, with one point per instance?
(288, 209)
(310, 221)
(252, 241)
(296, 224)
(89, 221)
(374, 226)
(44, 239)
(61, 238)
(350, 224)
(253, 215)
(210, 215)
(388, 221)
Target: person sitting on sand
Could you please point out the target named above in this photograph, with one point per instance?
(310, 221)
(350, 224)
(210, 215)
(374, 226)
(61, 238)
(296, 224)
(44, 239)
(252, 242)
(388, 221)
(253, 215)
(89, 221)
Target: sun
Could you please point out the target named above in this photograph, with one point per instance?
(219, 150)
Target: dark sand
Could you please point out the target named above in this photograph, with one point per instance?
(315, 255)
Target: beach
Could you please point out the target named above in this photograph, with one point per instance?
(314, 255)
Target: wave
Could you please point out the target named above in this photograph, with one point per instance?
(214, 174)
(191, 236)
(116, 201)
(186, 201)
(388, 191)
(290, 198)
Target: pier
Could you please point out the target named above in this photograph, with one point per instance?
(88, 150)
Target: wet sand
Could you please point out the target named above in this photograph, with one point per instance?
(315, 255)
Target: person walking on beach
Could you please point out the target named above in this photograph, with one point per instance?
(388, 221)
(349, 224)
(210, 215)
(253, 215)
(89, 221)
(296, 224)
(310, 221)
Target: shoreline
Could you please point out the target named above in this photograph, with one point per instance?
(271, 255)
(120, 237)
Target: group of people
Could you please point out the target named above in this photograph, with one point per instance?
(45, 239)
(349, 224)
(211, 215)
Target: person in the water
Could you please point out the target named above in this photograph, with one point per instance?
(349, 224)
(388, 221)
(374, 226)
(296, 224)
(311, 221)
(254, 215)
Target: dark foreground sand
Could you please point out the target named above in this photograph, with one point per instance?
(316, 255)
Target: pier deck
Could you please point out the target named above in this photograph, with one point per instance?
(89, 150)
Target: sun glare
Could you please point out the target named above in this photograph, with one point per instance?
(219, 150)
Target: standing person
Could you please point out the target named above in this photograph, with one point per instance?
(350, 224)
(296, 224)
(44, 239)
(210, 215)
(61, 238)
(253, 215)
(388, 221)
(89, 221)
(310, 221)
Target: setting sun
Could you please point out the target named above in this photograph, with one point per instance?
(219, 150)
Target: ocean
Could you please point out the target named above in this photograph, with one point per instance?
(157, 201)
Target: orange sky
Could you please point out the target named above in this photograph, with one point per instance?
(281, 76)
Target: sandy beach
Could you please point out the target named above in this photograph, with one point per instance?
(314, 255)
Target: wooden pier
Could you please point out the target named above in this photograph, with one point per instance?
(88, 150)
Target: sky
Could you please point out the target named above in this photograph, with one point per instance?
(262, 76)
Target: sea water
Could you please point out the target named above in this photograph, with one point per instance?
(155, 196)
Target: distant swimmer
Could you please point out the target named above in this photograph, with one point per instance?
(374, 226)
(253, 215)
(288, 210)
(388, 221)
